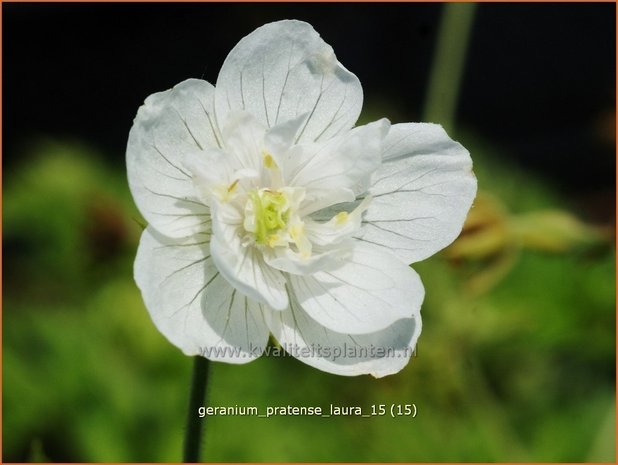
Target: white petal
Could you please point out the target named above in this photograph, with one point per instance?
(244, 268)
(341, 162)
(191, 303)
(280, 138)
(371, 291)
(168, 127)
(244, 140)
(211, 174)
(379, 354)
(421, 193)
(320, 199)
(293, 262)
(283, 70)
(341, 226)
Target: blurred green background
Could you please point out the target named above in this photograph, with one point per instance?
(516, 361)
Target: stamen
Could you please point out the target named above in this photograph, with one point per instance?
(341, 218)
(232, 186)
(269, 161)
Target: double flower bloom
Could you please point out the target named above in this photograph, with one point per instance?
(270, 213)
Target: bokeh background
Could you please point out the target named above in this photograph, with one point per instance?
(517, 358)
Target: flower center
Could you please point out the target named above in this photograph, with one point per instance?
(266, 214)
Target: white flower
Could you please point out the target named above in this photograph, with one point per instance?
(270, 212)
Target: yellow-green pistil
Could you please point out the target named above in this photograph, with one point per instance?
(271, 214)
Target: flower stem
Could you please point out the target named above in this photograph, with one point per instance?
(448, 63)
(197, 398)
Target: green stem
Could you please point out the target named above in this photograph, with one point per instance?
(197, 398)
(448, 63)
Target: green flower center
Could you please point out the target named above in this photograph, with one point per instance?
(271, 210)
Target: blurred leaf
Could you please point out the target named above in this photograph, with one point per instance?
(555, 231)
